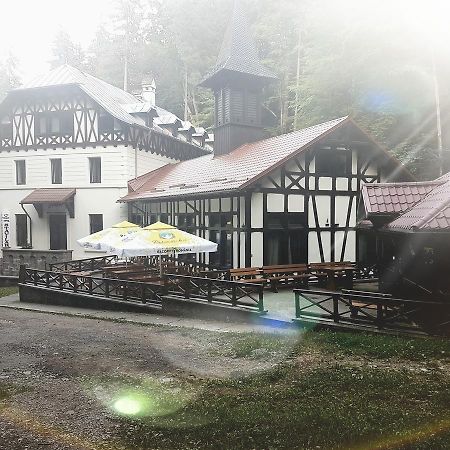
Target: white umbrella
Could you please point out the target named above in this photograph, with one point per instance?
(105, 239)
(161, 239)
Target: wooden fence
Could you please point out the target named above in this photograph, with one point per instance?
(235, 294)
(83, 265)
(371, 311)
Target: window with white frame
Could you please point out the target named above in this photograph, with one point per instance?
(21, 172)
(95, 170)
(56, 170)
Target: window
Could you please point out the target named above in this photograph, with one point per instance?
(54, 123)
(21, 230)
(56, 169)
(105, 123)
(95, 223)
(6, 128)
(21, 172)
(95, 170)
(333, 162)
(41, 125)
(66, 123)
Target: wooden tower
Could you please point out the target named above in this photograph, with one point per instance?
(237, 79)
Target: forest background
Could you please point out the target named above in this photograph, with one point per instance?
(384, 63)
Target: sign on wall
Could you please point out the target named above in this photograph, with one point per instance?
(6, 229)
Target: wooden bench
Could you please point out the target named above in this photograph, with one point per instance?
(247, 275)
(286, 273)
(356, 305)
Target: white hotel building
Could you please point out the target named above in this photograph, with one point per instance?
(69, 143)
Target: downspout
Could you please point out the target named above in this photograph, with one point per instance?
(31, 224)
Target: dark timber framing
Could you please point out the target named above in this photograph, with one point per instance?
(23, 109)
(297, 181)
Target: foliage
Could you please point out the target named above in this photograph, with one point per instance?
(9, 77)
(65, 51)
(332, 59)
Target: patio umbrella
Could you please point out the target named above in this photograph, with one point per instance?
(161, 239)
(108, 238)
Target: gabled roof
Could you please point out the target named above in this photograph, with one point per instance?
(392, 199)
(230, 172)
(238, 52)
(432, 213)
(111, 98)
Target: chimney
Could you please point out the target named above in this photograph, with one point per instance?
(149, 90)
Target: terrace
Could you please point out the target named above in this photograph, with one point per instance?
(339, 295)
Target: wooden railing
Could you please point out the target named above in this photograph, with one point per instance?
(371, 310)
(83, 265)
(129, 291)
(234, 293)
(210, 290)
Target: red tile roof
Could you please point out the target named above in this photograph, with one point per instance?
(230, 172)
(57, 196)
(394, 198)
(226, 172)
(432, 213)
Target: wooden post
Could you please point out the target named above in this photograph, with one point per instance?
(336, 307)
(22, 274)
(297, 305)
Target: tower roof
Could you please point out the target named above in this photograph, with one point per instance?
(238, 52)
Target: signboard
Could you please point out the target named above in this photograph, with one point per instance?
(6, 229)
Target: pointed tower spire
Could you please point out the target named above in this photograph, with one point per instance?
(238, 52)
(237, 80)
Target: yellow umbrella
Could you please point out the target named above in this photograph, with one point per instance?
(108, 238)
(162, 239)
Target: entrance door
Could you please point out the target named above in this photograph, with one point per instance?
(58, 232)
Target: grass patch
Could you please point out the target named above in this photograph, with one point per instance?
(253, 345)
(332, 408)
(374, 346)
(5, 291)
(379, 346)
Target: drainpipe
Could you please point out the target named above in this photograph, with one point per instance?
(31, 224)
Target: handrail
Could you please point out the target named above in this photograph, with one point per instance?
(83, 264)
(235, 292)
(369, 309)
(207, 289)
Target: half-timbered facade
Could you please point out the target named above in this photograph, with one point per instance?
(69, 143)
(286, 199)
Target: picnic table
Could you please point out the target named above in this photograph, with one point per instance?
(334, 273)
(297, 273)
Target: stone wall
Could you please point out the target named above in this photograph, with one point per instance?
(35, 259)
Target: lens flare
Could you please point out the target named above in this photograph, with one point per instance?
(128, 406)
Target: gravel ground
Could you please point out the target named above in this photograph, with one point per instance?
(63, 372)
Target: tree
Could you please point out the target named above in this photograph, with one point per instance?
(65, 51)
(9, 77)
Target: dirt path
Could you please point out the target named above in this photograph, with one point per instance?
(61, 362)
(66, 374)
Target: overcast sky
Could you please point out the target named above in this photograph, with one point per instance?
(28, 28)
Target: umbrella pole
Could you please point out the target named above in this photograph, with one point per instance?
(160, 266)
